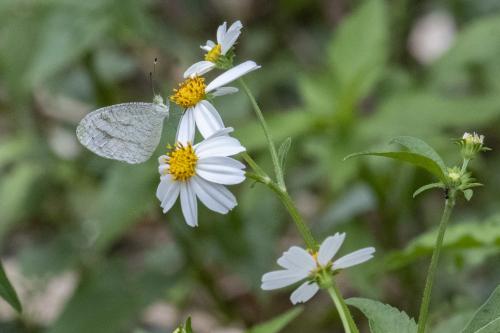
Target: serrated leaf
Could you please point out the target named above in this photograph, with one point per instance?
(384, 318)
(428, 187)
(283, 151)
(470, 235)
(487, 318)
(275, 325)
(7, 292)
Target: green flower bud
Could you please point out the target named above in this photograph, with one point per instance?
(471, 144)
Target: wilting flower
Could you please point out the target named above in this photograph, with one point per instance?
(300, 265)
(200, 171)
(218, 54)
(192, 94)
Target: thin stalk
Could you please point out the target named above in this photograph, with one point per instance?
(426, 298)
(272, 148)
(255, 167)
(287, 201)
(464, 165)
(342, 309)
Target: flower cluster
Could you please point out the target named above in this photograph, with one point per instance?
(201, 170)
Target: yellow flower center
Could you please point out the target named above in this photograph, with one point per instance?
(182, 160)
(189, 92)
(214, 53)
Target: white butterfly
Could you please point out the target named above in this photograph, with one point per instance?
(128, 132)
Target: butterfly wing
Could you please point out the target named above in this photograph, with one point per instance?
(128, 132)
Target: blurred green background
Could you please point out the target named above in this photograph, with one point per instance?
(83, 239)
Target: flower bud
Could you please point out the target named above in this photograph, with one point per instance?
(454, 176)
(471, 144)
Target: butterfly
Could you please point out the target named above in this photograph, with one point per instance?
(128, 132)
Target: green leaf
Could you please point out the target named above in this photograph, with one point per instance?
(418, 146)
(7, 292)
(419, 154)
(189, 329)
(470, 235)
(468, 194)
(428, 187)
(277, 324)
(360, 48)
(487, 318)
(384, 318)
(283, 151)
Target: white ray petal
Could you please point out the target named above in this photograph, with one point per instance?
(228, 41)
(188, 204)
(186, 129)
(280, 279)
(208, 46)
(167, 192)
(199, 68)
(215, 196)
(221, 31)
(232, 74)
(207, 119)
(219, 145)
(224, 91)
(296, 258)
(354, 258)
(221, 170)
(329, 248)
(304, 293)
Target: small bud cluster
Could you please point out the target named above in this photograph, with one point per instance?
(470, 144)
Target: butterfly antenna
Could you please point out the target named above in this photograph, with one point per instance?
(151, 74)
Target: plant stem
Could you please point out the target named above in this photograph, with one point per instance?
(342, 309)
(426, 298)
(272, 148)
(287, 201)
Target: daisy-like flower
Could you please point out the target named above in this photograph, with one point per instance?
(218, 54)
(200, 171)
(300, 265)
(193, 95)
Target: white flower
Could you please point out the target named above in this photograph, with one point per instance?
(200, 171)
(192, 95)
(473, 138)
(300, 264)
(225, 41)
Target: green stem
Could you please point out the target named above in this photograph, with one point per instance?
(342, 309)
(464, 165)
(272, 148)
(287, 201)
(255, 167)
(426, 298)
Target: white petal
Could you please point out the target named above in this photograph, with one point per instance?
(163, 169)
(280, 279)
(199, 68)
(216, 197)
(296, 258)
(235, 26)
(207, 119)
(224, 91)
(354, 258)
(221, 170)
(167, 192)
(221, 31)
(188, 204)
(304, 293)
(186, 129)
(231, 75)
(222, 132)
(329, 248)
(208, 46)
(219, 145)
(229, 39)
